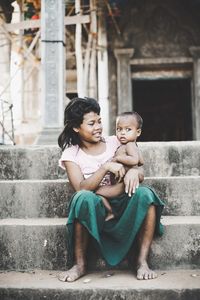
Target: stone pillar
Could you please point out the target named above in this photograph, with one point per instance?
(195, 52)
(53, 66)
(124, 86)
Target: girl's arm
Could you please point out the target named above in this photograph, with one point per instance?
(131, 182)
(78, 182)
(111, 191)
(132, 179)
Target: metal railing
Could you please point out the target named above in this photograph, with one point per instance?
(6, 123)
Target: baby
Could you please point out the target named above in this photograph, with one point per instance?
(128, 129)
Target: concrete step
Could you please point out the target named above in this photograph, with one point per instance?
(49, 198)
(33, 162)
(40, 244)
(181, 194)
(41, 162)
(38, 285)
(34, 198)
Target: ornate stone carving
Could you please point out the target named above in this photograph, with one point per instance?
(195, 52)
(164, 35)
(158, 30)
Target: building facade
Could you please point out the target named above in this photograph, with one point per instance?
(134, 55)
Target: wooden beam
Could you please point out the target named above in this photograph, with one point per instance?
(24, 50)
(79, 19)
(68, 20)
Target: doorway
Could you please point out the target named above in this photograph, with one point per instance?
(165, 106)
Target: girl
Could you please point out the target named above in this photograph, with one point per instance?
(87, 159)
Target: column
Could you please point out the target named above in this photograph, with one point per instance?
(195, 52)
(124, 85)
(53, 66)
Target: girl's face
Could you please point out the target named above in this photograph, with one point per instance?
(127, 129)
(91, 128)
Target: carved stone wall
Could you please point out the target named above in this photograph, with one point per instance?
(158, 28)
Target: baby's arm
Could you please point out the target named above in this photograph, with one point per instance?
(141, 160)
(131, 157)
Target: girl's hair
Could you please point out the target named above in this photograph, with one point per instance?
(134, 114)
(73, 118)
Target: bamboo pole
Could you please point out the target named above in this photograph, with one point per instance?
(87, 63)
(78, 51)
(102, 56)
(93, 64)
(69, 20)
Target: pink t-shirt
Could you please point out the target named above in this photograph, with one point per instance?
(89, 164)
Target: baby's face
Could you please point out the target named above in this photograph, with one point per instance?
(127, 129)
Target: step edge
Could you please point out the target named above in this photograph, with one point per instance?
(166, 220)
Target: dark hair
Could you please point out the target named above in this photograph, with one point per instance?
(73, 118)
(134, 114)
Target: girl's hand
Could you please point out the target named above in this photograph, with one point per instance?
(131, 181)
(117, 169)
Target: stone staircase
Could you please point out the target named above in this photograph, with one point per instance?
(33, 196)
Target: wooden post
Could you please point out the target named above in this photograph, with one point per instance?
(103, 71)
(87, 64)
(93, 64)
(78, 50)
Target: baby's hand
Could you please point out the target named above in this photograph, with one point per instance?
(114, 159)
(117, 169)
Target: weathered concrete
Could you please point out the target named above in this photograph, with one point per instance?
(38, 285)
(50, 198)
(181, 194)
(124, 86)
(34, 198)
(32, 243)
(40, 243)
(171, 158)
(52, 60)
(41, 162)
(38, 162)
(195, 52)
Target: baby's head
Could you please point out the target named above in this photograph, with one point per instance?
(128, 127)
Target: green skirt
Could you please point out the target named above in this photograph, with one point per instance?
(115, 237)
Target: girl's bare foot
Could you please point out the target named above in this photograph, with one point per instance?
(72, 274)
(143, 272)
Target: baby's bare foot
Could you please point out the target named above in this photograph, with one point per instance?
(72, 274)
(143, 272)
(110, 216)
